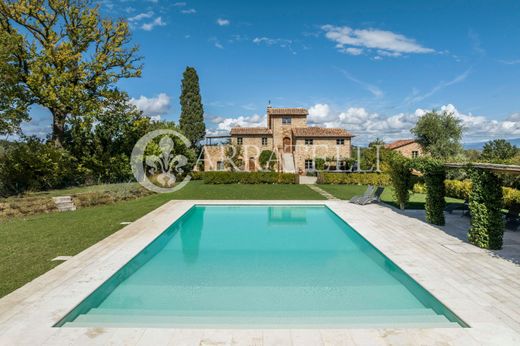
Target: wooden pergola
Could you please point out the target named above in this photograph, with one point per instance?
(492, 230)
(495, 168)
(209, 139)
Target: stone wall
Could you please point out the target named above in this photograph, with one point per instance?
(280, 131)
(251, 149)
(213, 154)
(407, 149)
(321, 148)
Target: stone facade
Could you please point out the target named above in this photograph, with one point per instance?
(407, 147)
(324, 148)
(289, 137)
(214, 157)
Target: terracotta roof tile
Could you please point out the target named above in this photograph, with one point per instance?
(320, 132)
(287, 111)
(251, 131)
(399, 143)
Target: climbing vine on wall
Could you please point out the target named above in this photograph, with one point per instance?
(485, 203)
(434, 174)
(401, 178)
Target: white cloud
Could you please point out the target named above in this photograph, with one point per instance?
(416, 97)
(514, 117)
(271, 41)
(216, 43)
(387, 43)
(374, 90)
(189, 11)
(156, 22)
(179, 4)
(141, 16)
(366, 125)
(478, 127)
(319, 112)
(223, 22)
(352, 51)
(280, 42)
(153, 106)
(224, 125)
(510, 62)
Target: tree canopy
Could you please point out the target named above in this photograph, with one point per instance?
(498, 149)
(67, 60)
(439, 134)
(192, 111)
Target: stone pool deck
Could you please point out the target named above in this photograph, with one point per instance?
(481, 287)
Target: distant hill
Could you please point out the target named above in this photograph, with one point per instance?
(480, 145)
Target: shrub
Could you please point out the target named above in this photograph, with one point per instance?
(458, 189)
(401, 178)
(35, 166)
(196, 175)
(266, 159)
(248, 178)
(485, 203)
(511, 197)
(419, 188)
(319, 163)
(379, 179)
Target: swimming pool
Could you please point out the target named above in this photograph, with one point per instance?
(260, 266)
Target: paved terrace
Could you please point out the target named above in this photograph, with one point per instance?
(481, 287)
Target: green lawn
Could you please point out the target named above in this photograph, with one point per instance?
(417, 200)
(28, 244)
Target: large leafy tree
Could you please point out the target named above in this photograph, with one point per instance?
(499, 149)
(14, 104)
(68, 58)
(102, 140)
(439, 134)
(192, 111)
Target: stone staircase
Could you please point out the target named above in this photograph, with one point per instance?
(288, 163)
(64, 203)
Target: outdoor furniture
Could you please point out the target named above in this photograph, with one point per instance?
(368, 192)
(374, 197)
(464, 207)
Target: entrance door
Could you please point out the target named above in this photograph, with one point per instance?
(252, 167)
(287, 145)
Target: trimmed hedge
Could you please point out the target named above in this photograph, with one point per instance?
(248, 178)
(462, 190)
(379, 179)
(485, 204)
(458, 189)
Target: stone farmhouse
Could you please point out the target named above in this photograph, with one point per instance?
(295, 145)
(407, 147)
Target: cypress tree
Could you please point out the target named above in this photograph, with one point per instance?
(192, 111)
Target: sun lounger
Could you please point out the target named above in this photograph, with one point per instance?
(375, 197)
(368, 192)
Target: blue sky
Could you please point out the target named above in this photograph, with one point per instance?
(371, 67)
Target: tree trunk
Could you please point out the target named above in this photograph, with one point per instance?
(58, 127)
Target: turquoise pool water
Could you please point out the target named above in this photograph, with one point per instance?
(260, 266)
